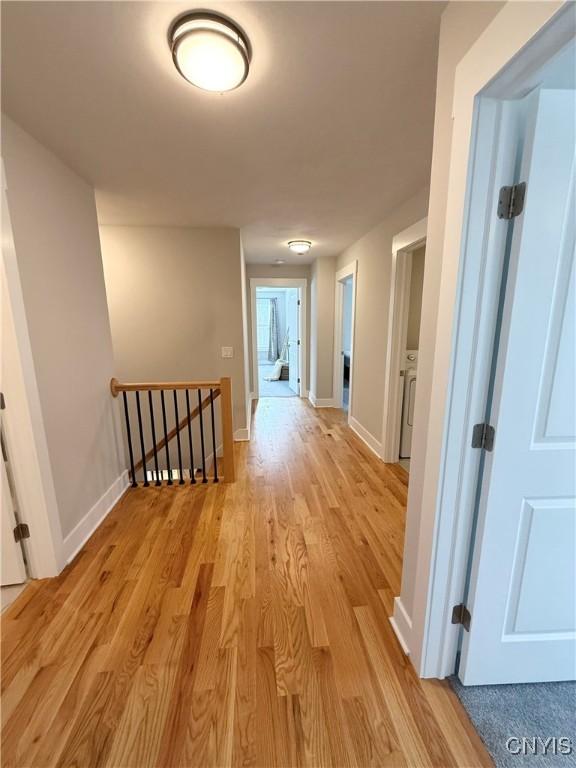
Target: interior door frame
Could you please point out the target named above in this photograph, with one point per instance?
(23, 425)
(350, 270)
(488, 76)
(280, 282)
(403, 245)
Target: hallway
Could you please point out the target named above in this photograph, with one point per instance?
(234, 625)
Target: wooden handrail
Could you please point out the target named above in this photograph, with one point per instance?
(173, 432)
(219, 388)
(116, 387)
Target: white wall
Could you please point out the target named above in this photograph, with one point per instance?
(347, 314)
(175, 298)
(57, 249)
(322, 288)
(462, 24)
(415, 298)
(246, 340)
(374, 255)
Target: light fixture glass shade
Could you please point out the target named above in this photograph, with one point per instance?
(300, 246)
(210, 52)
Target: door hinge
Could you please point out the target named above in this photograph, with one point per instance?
(21, 532)
(2, 401)
(511, 201)
(461, 615)
(298, 342)
(298, 302)
(483, 436)
(298, 379)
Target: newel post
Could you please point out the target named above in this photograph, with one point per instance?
(227, 429)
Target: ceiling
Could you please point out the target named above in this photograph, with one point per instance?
(332, 129)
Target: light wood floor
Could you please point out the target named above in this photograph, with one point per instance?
(241, 625)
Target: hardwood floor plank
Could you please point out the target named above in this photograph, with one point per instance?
(465, 744)
(138, 736)
(205, 679)
(176, 729)
(412, 731)
(245, 724)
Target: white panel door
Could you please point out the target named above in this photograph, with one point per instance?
(522, 583)
(13, 570)
(293, 324)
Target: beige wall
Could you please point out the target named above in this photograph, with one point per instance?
(415, 298)
(175, 298)
(462, 24)
(55, 230)
(293, 271)
(322, 293)
(373, 253)
(246, 340)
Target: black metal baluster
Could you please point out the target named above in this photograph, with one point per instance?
(178, 437)
(192, 478)
(204, 478)
(129, 435)
(150, 405)
(166, 436)
(146, 483)
(213, 436)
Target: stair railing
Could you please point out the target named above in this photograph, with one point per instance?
(221, 446)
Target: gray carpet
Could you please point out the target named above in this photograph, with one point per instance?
(544, 710)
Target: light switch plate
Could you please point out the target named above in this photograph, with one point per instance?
(227, 352)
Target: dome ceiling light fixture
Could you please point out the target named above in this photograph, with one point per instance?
(210, 51)
(300, 246)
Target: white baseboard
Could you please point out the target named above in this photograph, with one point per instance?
(321, 402)
(80, 534)
(366, 437)
(242, 435)
(402, 625)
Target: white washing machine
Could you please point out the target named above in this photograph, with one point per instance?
(410, 366)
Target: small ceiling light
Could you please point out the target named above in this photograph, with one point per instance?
(280, 261)
(210, 51)
(300, 246)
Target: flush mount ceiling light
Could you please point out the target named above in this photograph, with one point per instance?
(300, 246)
(279, 261)
(210, 51)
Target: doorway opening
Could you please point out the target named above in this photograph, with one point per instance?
(278, 337)
(344, 316)
(276, 315)
(408, 260)
(410, 345)
(346, 340)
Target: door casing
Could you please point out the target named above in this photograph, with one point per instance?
(499, 67)
(350, 270)
(403, 244)
(280, 282)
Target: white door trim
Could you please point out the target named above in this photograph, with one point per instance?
(25, 434)
(403, 244)
(280, 282)
(526, 38)
(350, 270)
